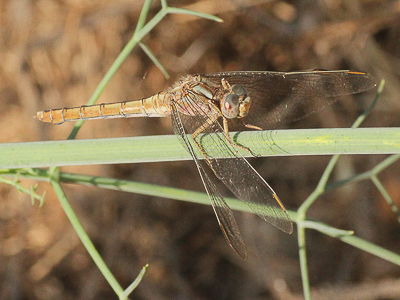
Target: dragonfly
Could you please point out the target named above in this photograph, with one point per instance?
(213, 104)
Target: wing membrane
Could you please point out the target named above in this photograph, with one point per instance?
(280, 98)
(277, 98)
(233, 170)
(224, 214)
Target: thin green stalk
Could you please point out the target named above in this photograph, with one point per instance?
(367, 111)
(365, 175)
(386, 195)
(143, 15)
(319, 189)
(371, 248)
(138, 35)
(301, 239)
(55, 183)
(313, 197)
(194, 197)
(134, 284)
(154, 59)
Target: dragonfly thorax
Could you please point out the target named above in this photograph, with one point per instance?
(192, 97)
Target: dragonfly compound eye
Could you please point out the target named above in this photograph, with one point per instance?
(239, 89)
(230, 106)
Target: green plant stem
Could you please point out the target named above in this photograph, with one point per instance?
(301, 239)
(199, 198)
(134, 284)
(55, 184)
(168, 148)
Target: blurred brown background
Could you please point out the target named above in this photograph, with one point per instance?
(54, 53)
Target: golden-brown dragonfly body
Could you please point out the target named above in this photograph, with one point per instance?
(242, 100)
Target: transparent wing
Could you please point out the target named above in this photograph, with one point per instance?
(277, 98)
(230, 167)
(280, 98)
(224, 214)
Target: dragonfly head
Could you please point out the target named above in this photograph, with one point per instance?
(236, 103)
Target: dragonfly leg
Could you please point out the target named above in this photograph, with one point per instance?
(252, 127)
(226, 85)
(226, 130)
(199, 130)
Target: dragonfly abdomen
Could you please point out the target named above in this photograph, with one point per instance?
(154, 106)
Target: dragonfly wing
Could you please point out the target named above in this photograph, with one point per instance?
(280, 98)
(277, 98)
(232, 168)
(224, 214)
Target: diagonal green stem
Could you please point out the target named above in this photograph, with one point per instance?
(140, 32)
(55, 184)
